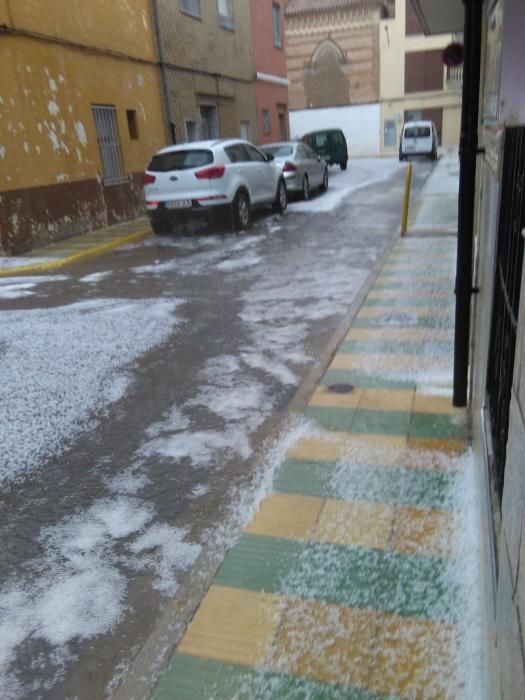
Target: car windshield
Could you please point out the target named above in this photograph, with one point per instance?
(278, 151)
(417, 132)
(180, 160)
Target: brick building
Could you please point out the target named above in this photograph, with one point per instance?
(206, 68)
(333, 51)
(269, 55)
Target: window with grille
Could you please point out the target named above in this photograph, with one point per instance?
(225, 8)
(276, 15)
(105, 117)
(191, 7)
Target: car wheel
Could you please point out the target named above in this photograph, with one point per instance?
(324, 185)
(306, 188)
(281, 198)
(433, 155)
(343, 164)
(241, 211)
(402, 157)
(159, 229)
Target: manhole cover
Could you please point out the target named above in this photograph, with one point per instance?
(341, 388)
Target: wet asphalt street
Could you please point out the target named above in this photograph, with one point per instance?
(140, 391)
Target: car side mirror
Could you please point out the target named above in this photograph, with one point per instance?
(270, 157)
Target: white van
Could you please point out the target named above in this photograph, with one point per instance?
(418, 139)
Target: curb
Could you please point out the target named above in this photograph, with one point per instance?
(89, 253)
(146, 669)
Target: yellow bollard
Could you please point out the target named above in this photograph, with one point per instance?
(406, 200)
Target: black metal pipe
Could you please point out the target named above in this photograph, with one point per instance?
(468, 149)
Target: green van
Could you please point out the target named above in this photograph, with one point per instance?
(330, 144)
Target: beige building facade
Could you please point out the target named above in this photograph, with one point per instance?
(414, 83)
(207, 68)
(333, 52)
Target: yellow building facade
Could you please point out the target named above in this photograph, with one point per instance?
(404, 94)
(80, 115)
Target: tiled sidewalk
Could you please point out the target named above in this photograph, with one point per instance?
(71, 250)
(343, 584)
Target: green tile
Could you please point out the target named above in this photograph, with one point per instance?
(370, 381)
(421, 322)
(258, 563)
(331, 418)
(406, 584)
(409, 347)
(437, 425)
(381, 422)
(191, 678)
(352, 482)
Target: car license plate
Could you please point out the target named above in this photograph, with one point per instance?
(179, 204)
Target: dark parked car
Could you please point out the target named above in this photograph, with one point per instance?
(330, 144)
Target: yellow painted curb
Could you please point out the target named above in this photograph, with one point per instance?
(88, 253)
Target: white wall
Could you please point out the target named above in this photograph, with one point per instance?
(361, 125)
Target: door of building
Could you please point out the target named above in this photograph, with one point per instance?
(209, 122)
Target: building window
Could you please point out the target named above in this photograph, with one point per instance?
(423, 71)
(192, 133)
(245, 129)
(133, 129)
(389, 137)
(191, 7)
(276, 14)
(105, 117)
(267, 127)
(225, 8)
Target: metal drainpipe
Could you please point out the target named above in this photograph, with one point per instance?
(468, 150)
(170, 130)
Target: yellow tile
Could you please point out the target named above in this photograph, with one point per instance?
(411, 279)
(358, 448)
(429, 459)
(415, 659)
(452, 446)
(424, 531)
(425, 403)
(366, 443)
(314, 450)
(399, 334)
(355, 524)
(286, 516)
(323, 397)
(375, 362)
(326, 643)
(375, 311)
(387, 399)
(234, 626)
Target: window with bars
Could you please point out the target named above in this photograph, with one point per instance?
(276, 16)
(191, 7)
(105, 118)
(225, 8)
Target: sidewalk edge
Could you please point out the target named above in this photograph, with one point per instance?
(88, 253)
(145, 671)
